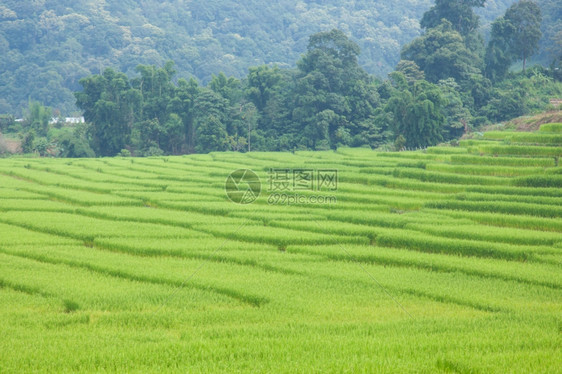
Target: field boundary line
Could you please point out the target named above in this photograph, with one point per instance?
(369, 274)
(197, 269)
(125, 276)
(434, 268)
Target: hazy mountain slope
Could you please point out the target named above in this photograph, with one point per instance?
(48, 45)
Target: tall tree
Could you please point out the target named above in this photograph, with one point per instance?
(333, 93)
(458, 12)
(556, 53)
(210, 115)
(263, 81)
(457, 116)
(556, 48)
(525, 16)
(499, 52)
(38, 117)
(109, 104)
(417, 112)
(515, 36)
(411, 71)
(441, 54)
(228, 87)
(156, 87)
(183, 104)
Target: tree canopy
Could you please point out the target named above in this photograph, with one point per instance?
(515, 36)
(443, 87)
(47, 46)
(441, 53)
(458, 12)
(525, 18)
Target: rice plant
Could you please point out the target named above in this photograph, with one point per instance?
(551, 127)
(439, 260)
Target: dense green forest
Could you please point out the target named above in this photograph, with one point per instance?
(448, 80)
(47, 46)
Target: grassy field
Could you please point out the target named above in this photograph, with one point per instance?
(447, 260)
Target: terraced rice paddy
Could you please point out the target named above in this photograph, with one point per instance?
(447, 260)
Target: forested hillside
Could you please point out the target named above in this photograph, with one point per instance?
(48, 45)
(449, 81)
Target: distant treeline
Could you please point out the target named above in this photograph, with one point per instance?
(47, 46)
(447, 82)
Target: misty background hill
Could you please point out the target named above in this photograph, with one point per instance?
(47, 46)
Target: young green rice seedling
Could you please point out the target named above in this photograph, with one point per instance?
(502, 161)
(526, 137)
(533, 199)
(520, 150)
(191, 247)
(428, 243)
(16, 194)
(14, 235)
(157, 216)
(497, 171)
(446, 150)
(489, 233)
(536, 273)
(35, 205)
(110, 287)
(276, 236)
(441, 257)
(505, 207)
(519, 191)
(551, 127)
(442, 177)
(548, 181)
(87, 228)
(503, 220)
(83, 198)
(412, 156)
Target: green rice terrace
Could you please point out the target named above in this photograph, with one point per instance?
(443, 260)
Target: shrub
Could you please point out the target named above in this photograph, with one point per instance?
(153, 151)
(3, 145)
(124, 153)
